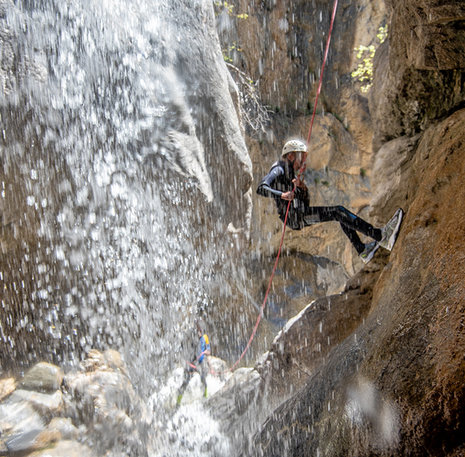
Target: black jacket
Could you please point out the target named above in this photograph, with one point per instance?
(275, 183)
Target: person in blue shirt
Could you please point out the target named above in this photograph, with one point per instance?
(198, 363)
(203, 351)
(285, 184)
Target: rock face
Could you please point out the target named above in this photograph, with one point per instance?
(377, 369)
(395, 386)
(283, 42)
(419, 69)
(392, 383)
(250, 395)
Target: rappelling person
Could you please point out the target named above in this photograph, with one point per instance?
(285, 184)
(199, 363)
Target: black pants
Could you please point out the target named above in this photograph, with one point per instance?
(350, 222)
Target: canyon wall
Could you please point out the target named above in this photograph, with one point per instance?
(379, 368)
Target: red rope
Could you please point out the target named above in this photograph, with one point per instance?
(260, 314)
(322, 70)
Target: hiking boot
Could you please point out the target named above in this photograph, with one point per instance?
(367, 254)
(390, 230)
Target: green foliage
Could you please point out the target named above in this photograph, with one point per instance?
(227, 53)
(363, 172)
(365, 54)
(382, 34)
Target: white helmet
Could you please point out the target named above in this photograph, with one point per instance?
(293, 146)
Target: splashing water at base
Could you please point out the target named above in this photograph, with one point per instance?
(190, 430)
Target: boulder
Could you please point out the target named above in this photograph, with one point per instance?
(26, 441)
(16, 417)
(46, 404)
(43, 377)
(101, 398)
(108, 360)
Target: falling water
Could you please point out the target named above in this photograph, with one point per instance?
(109, 231)
(110, 235)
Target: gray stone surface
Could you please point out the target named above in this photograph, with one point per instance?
(43, 377)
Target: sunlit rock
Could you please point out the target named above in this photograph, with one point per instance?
(7, 386)
(43, 377)
(47, 404)
(65, 427)
(392, 173)
(66, 448)
(20, 425)
(417, 72)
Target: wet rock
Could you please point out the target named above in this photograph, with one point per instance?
(189, 85)
(24, 441)
(45, 404)
(66, 448)
(43, 377)
(107, 360)
(6, 387)
(101, 393)
(307, 339)
(102, 398)
(64, 427)
(97, 406)
(17, 417)
(218, 367)
(23, 416)
(22, 429)
(234, 404)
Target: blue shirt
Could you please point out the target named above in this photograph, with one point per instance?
(204, 343)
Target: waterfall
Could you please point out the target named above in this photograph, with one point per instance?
(113, 118)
